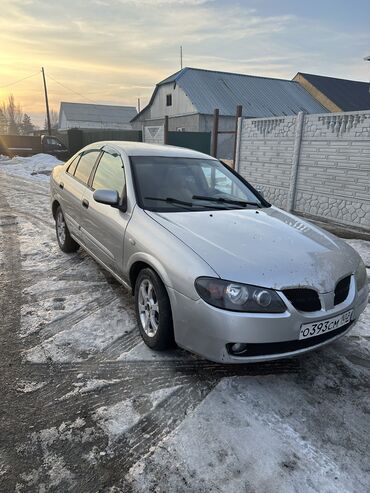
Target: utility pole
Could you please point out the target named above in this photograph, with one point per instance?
(181, 57)
(46, 101)
(138, 105)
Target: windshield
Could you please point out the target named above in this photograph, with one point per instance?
(170, 184)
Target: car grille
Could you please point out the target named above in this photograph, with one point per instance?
(303, 299)
(341, 290)
(269, 348)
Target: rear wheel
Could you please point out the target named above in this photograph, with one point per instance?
(66, 243)
(153, 311)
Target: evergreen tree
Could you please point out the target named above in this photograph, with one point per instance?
(26, 126)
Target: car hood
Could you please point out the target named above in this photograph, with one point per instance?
(266, 247)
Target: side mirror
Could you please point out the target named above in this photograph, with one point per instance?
(108, 197)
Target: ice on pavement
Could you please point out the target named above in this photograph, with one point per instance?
(303, 431)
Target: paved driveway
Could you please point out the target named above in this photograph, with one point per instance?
(86, 407)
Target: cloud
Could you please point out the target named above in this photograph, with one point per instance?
(117, 50)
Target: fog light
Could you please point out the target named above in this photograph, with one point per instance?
(238, 348)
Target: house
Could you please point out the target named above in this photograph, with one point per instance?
(336, 94)
(95, 116)
(190, 96)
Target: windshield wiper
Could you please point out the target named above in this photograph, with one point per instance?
(170, 200)
(222, 200)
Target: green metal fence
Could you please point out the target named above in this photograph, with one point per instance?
(80, 138)
(199, 141)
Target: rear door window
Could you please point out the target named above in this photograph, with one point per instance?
(85, 166)
(72, 167)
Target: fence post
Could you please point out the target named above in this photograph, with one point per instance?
(215, 133)
(165, 130)
(239, 110)
(238, 138)
(295, 161)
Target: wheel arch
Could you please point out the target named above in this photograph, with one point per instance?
(145, 261)
(54, 207)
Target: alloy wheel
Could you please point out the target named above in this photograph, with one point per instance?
(61, 228)
(148, 308)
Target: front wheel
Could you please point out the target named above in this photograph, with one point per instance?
(153, 311)
(65, 241)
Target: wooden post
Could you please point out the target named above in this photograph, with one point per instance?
(239, 110)
(46, 101)
(165, 130)
(215, 132)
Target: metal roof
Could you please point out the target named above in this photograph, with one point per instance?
(348, 95)
(259, 96)
(99, 113)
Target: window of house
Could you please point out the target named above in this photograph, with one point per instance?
(169, 100)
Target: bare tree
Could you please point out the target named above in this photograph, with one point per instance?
(54, 120)
(13, 115)
(3, 122)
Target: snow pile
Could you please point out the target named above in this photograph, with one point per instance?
(34, 167)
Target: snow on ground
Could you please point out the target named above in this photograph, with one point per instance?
(115, 420)
(261, 434)
(107, 412)
(37, 167)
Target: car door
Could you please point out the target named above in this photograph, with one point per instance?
(104, 225)
(73, 185)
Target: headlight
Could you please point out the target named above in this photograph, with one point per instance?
(361, 276)
(238, 297)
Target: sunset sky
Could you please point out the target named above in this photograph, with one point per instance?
(115, 51)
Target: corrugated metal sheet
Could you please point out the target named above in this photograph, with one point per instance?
(349, 95)
(99, 113)
(259, 96)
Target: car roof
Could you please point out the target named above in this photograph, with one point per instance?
(144, 149)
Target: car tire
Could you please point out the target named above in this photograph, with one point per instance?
(65, 241)
(153, 311)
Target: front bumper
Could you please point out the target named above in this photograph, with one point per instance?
(207, 331)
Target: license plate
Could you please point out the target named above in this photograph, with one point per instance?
(323, 326)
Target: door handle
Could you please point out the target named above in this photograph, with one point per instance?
(61, 185)
(85, 203)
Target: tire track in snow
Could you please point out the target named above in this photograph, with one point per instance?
(10, 305)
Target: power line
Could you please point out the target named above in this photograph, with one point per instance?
(71, 90)
(20, 80)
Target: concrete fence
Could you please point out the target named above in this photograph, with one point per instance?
(318, 165)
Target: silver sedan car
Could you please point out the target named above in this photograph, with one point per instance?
(212, 265)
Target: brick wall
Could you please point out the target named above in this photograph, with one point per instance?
(312, 164)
